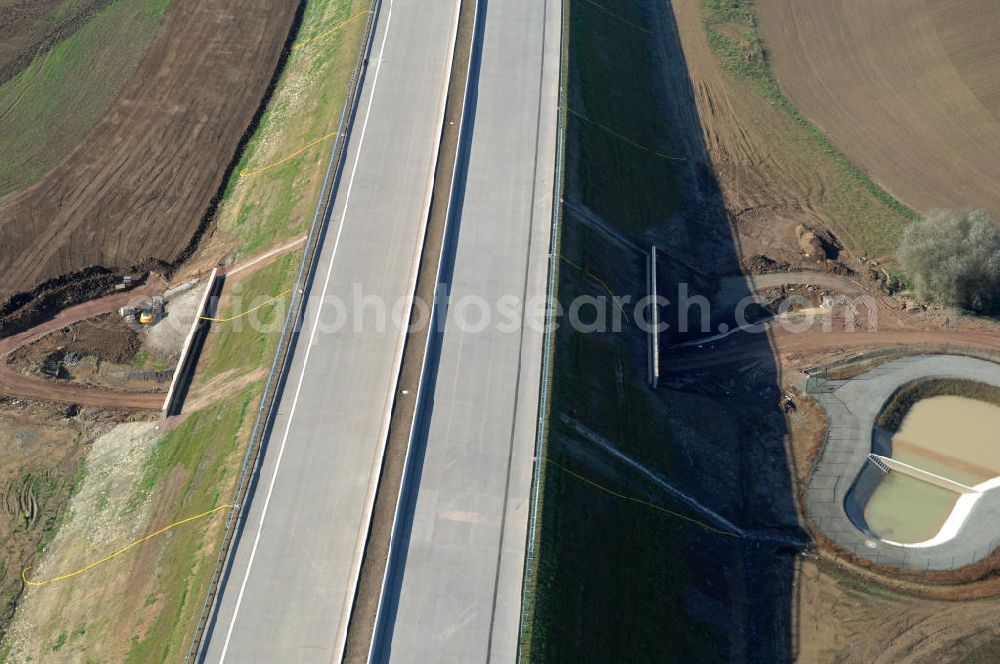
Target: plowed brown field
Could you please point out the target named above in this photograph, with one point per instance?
(137, 188)
(907, 89)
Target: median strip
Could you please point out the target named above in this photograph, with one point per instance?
(374, 568)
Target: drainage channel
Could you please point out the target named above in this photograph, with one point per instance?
(373, 567)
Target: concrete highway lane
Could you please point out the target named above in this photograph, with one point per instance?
(288, 593)
(454, 589)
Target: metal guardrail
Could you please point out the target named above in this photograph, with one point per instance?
(529, 583)
(290, 331)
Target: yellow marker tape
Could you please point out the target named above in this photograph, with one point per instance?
(596, 278)
(300, 44)
(684, 517)
(262, 304)
(623, 138)
(246, 172)
(619, 17)
(24, 574)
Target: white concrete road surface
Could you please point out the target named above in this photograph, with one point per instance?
(455, 584)
(288, 595)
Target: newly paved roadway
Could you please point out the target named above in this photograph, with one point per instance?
(455, 579)
(288, 595)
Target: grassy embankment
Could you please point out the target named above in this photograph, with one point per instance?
(195, 466)
(869, 217)
(626, 172)
(192, 465)
(613, 574)
(47, 108)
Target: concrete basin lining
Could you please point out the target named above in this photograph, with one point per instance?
(837, 483)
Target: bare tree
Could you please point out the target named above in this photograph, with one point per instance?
(954, 258)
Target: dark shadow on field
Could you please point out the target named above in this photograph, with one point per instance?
(658, 580)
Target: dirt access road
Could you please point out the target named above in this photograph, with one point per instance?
(16, 384)
(138, 187)
(907, 90)
(790, 347)
(791, 344)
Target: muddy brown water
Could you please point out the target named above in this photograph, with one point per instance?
(954, 437)
(908, 510)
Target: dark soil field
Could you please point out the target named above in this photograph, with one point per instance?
(48, 107)
(907, 90)
(139, 187)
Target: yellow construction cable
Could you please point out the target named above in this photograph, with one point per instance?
(623, 138)
(262, 304)
(24, 574)
(300, 44)
(619, 17)
(646, 503)
(598, 280)
(246, 172)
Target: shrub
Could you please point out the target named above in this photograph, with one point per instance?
(954, 258)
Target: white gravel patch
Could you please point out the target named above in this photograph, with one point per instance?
(98, 520)
(167, 336)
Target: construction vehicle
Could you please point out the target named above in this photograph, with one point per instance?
(149, 311)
